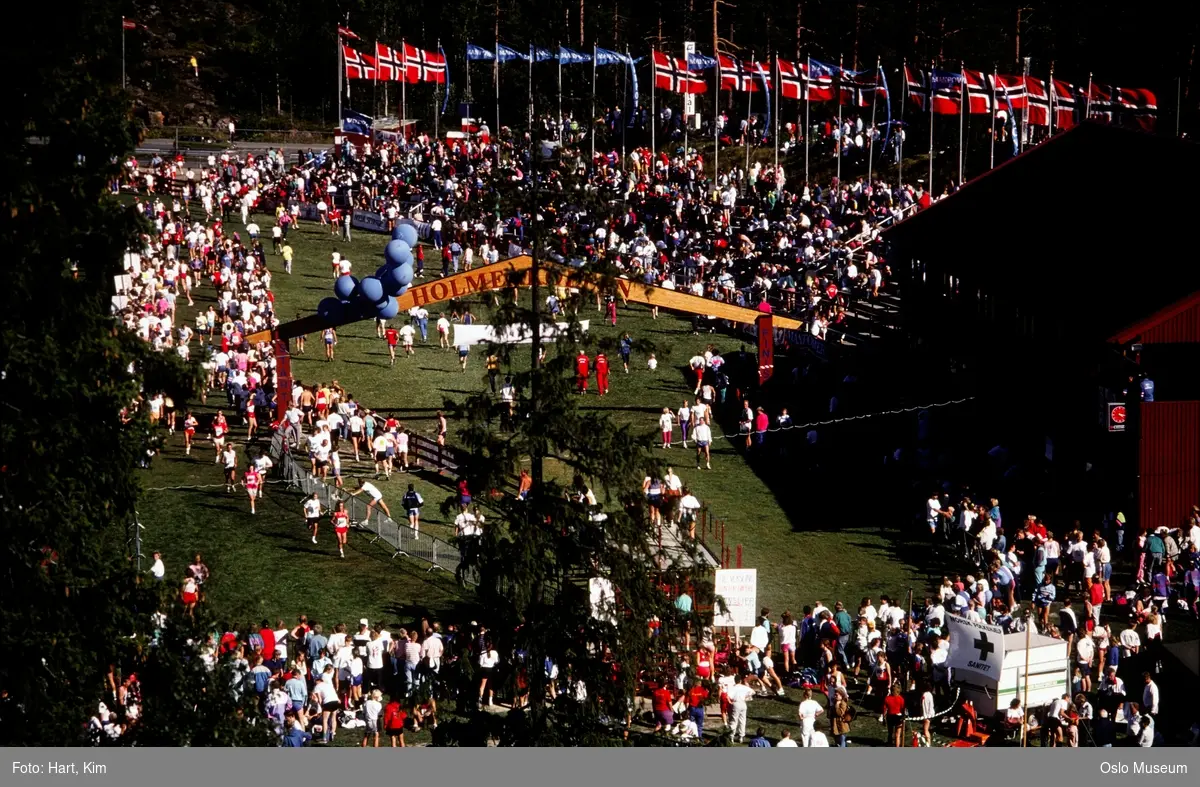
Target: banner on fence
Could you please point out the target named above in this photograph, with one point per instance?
(369, 220)
(738, 588)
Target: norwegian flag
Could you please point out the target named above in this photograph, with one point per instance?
(388, 62)
(1139, 107)
(1100, 102)
(820, 80)
(1015, 87)
(358, 65)
(1038, 102)
(790, 85)
(671, 73)
(979, 92)
(422, 66)
(918, 85)
(1064, 105)
(857, 88)
(345, 32)
(735, 76)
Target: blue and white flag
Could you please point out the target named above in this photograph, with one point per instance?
(633, 74)
(766, 86)
(699, 62)
(571, 56)
(607, 57)
(945, 80)
(1012, 123)
(446, 87)
(540, 55)
(479, 53)
(356, 122)
(505, 54)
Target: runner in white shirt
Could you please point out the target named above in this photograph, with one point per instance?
(443, 329)
(375, 495)
(406, 337)
(703, 435)
(312, 514)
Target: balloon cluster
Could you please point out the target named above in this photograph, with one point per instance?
(374, 296)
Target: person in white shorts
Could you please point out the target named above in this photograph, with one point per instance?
(312, 514)
(375, 495)
(703, 435)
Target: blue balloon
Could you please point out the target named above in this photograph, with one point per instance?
(397, 252)
(330, 310)
(371, 289)
(406, 233)
(382, 271)
(403, 290)
(387, 309)
(397, 278)
(345, 287)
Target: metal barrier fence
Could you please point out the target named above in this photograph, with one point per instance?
(400, 538)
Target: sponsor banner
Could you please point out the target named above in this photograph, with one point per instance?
(512, 334)
(369, 220)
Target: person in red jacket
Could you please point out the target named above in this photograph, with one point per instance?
(601, 374)
(581, 372)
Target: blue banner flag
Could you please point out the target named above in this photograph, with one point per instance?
(945, 80)
(699, 62)
(505, 54)
(1012, 123)
(540, 55)
(356, 122)
(762, 75)
(479, 53)
(607, 57)
(446, 87)
(633, 74)
(571, 56)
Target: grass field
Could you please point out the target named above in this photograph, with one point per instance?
(265, 566)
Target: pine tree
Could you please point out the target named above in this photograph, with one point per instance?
(76, 615)
(536, 557)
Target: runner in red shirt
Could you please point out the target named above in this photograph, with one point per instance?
(322, 402)
(341, 527)
(219, 429)
(664, 717)
(581, 372)
(602, 373)
(393, 338)
(252, 479)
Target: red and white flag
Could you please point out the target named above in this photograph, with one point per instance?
(345, 32)
(1015, 87)
(1139, 107)
(1038, 102)
(358, 65)
(917, 84)
(423, 66)
(128, 24)
(790, 84)
(1100, 102)
(1064, 105)
(388, 63)
(671, 73)
(979, 92)
(736, 75)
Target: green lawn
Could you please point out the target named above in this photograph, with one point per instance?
(265, 566)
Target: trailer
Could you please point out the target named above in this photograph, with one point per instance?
(1048, 676)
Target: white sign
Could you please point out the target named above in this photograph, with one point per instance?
(603, 599)
(976, 649)
(513, 334)
(369, 220)
(689, 99)
(738, 589)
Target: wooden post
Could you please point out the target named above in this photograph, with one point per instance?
(739, 555)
